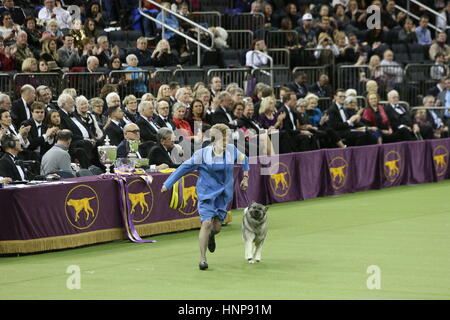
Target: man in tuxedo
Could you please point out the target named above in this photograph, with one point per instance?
(299, 85)
(44, 95)
(80, 148)
(40, 137)
(131, 132)
(321, 88)
(215, 87)
(162, 119)
(145, 122)
(400, 119)
(299, 140)
(444, 98)
(173, 88)
(9, 164)
(343, 124)
(21, 108)
(5, 102)
(114, 129)
(222, 114)
(162, 152)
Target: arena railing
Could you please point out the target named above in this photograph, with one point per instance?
(49, 79)
(200, 29)
(352, 76)
(421, 7)
(158, 78)
(211, 18)
(238, 75)
(281, 39)
(240, 39)
(6, 84)
(244, 21)
(87, 84)
(312, 73)
(135, 82)
(276, 76)
(281, 57)
(188, 76)
(217, 5)
(402, 103)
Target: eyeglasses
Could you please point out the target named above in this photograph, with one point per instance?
(134, 131)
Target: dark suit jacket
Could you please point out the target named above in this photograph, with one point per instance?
(219, 116)
(320, 91)
(34, 139)
(245, 122)
(397, 119)
(8, 168)
(122, 149)
(160, 123)
(67, 123)
(114, 132)
(335, 119)
(18, 113)
(287, 123)
(148, 132)
(300, 90)
(434, 91)
(158, 155)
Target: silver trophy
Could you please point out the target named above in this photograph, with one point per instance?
(108, 154)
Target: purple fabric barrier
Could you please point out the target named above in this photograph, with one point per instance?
(365, 168)
(420, 165)
(312, 170)
(339, 172)
(257, 190)
(439, 153)
(393, 164)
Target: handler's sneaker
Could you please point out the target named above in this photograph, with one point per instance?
(212, 243)
(203, 265)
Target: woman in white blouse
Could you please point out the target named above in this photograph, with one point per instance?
(257, 56)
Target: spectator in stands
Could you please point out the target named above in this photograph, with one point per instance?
(392, 70)
(148, 127)
(142, 52)
(53, 119)
(137, 79)
(306, 32)
(96, 109)
(94, 12)
(44, 95)
(215, 86)
(299, 85)
(325, 26)
(237, 94)
(292, 14)
(163, 55)
(49, 51)
(33, 33)
(389, 16)
(57, 159)
(444, 101)
(7, 127)
(163, 92)
(440, 46)
(161, 153)
(269, 21)
(399, 117)
(131, 132)
(438, 88)
(183, 97)
(312, 109)
(255, 7)
(357, 17)
(438, 128)
(268, 117)
(347, 54)
(421, 120)
(257, 56)
(90, 28)
(131, 107)
(443, 20)
(103, 52)
(438, 70)
(113, 129)
(326, 49)
(8, 167)
(16, 12)
(21, 108)
(290, 39)
(183, 127)
(423, 33)
(222, 114)
(50, 11)
(340, 19)
(205, 97)
(39, 136)
(8, 30)
(5, 102)
(52, 31)
(84, 120)
(118, 78)
(7, 58)
(78, 34)
(408, 33)
(173, 87)
(68, 56)
(321, 88)
(169, 19)
(43, 66)
(196, 116)
(162, 119)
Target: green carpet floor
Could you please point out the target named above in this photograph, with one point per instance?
(316, 249)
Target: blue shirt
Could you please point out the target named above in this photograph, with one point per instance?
(423, 36)
(447, 104)
(170, 20)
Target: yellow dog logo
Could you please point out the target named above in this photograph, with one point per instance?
(440, 160)
(280, 178)
(81, 204)
(138, 199)
(189, 193)
(392, 166)
(338, 173)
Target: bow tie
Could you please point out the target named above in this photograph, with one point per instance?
(39, 127)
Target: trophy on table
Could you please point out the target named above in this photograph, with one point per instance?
(108, 154)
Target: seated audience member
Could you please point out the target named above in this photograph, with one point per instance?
(321, 88)
(142, 52)
(183, 96)
(222, 113)
(21, 49)
(53, 31)
(444, 101)
(78, 34)
(68, 56)
(148, 128)
(33, 32)
(438, 128)
(103, 51)
(163, 92)
(299, 85)
(440, 46)
(438, 70)
(52, 10)
(136, 80)
(85, 120)
(94, 12)
(96, 107)
(7, 127)
(196, 116)
(312, 110)
(44, 95)
(7, 59)
(113, 128)
(183, 127)
(21, 107)
(16, 12)
(392, 70)
(5, 102)
(268, 117)
(10, 167)
(423, 32)
(57, 159)
(163, 56)
(162, 119)
(40, 137)
(53, 119)
(90, 28)
(162, 152)
(237, 94)
(131, 108)
(8, 29)
(408, 33)
(257, 56)
(438, 88)
(399, 117)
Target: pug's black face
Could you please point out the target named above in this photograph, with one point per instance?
(257, 211)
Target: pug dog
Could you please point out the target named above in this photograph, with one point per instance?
(254, 230)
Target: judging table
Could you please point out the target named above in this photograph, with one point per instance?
(81, 211)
